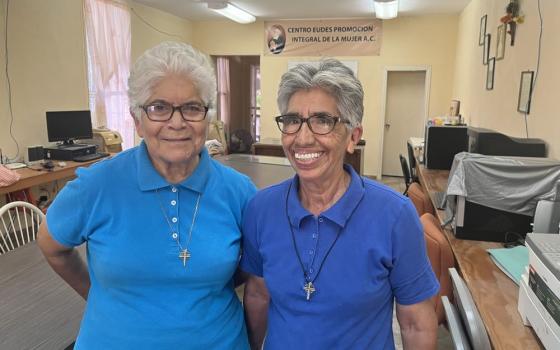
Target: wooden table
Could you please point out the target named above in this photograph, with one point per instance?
(263, 170)
(38, 310)
(494, 294)
(273, 147)
(32, 177)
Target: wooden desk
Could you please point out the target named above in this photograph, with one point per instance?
(38, 310)
(263, 170)
(273, 147)
(31, 177)
(494, 294)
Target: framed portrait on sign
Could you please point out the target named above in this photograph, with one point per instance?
(482, 32)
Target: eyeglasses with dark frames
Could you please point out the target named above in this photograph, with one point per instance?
(161, 111)
(319, 124)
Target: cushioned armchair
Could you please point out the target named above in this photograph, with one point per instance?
(441, 258)
(420, 199)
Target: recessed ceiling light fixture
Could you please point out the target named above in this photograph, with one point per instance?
(386, 9)
(236, 14)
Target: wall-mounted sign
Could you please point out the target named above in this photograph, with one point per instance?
(352, 37)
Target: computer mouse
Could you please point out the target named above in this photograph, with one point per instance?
(62, 164)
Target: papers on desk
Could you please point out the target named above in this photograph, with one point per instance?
(512, 261)
(13, 166)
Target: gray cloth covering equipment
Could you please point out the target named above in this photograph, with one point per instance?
(512, 184)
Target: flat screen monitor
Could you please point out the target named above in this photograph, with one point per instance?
(67, 126)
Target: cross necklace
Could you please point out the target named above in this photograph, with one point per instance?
(184, 253)
(308, 286)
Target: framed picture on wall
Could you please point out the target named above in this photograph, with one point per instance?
(482, 32)
(525, 91)
(490, 73)
(501, 42)
(486, 49)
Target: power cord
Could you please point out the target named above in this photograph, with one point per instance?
(151, 26)
(538, 64)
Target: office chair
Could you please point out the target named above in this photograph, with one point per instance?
(420, 199)
(241, 141)
(441, 258)
(412, 162)
(406, 173)
(19, 224)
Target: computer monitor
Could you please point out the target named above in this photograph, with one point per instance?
(442, 143)
(492, 143)
(67, 126)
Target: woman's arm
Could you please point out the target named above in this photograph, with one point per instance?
(418, 324)
(255, 303)
(65, 261)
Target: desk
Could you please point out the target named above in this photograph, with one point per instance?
(30, 177)
(38, 310)
(263, 170)
(494, 294)
(273, 147)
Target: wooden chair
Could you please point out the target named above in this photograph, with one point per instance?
(19, 224)
(420, 199)
(441, 257)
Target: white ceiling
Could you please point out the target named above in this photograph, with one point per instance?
(197, 10)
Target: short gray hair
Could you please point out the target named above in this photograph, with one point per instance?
(170, 58)
(330, 75)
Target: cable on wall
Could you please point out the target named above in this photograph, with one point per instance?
(151, 26)
(9, 84)
(538, 63)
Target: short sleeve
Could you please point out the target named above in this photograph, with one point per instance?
(412, 277)
(67, 215)
(251, 259)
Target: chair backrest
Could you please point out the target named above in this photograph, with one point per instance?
(405, 171)
(411, 161)
(420, 199)
(19, 223)
(441, 257)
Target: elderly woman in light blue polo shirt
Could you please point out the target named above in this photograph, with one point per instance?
(328, 252)
(161, 221)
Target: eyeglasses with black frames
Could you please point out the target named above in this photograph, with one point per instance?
(161, 111)
(319, 124)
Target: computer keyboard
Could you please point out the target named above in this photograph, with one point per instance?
(88, 157)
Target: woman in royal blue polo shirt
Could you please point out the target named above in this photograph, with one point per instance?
(328, 252)
(161, 221)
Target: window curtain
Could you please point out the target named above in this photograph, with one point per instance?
(108, 48)
(223, 91)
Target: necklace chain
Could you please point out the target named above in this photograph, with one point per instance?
(309, 286)
(184, 253)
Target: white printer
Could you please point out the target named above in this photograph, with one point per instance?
(539, 290)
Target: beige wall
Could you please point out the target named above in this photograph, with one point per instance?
(497, 109)
(407, 41)
(47, 67)
(47, 61)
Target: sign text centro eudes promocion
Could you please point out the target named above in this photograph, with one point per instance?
(352, 37)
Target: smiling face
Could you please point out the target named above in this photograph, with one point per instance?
(175, 142)
(318, 158)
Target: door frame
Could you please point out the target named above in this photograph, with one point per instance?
(381, 125)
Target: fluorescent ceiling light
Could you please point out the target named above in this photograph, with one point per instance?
(226, 9)
(386, 9)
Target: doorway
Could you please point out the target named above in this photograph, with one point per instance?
(405, 111)
(239, 100)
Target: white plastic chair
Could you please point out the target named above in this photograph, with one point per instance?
(19, 224)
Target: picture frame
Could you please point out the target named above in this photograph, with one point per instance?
(490, 73)
(525, 92)
(501, 42)
(482, 32)
(486, 49)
